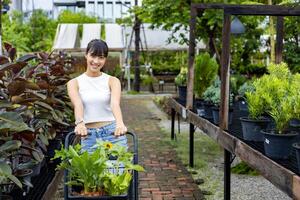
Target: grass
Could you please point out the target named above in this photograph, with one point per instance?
(243, 168)
(132, 92)
(206, 154)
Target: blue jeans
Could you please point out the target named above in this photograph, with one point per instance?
(105, 133)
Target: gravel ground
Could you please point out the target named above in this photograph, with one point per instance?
(243, 187)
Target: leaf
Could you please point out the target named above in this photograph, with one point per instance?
(17, 99)
(13, 121)
(32, 86)
(43, 56)
(26, 58)
(16, 88)
(12, 52)
(10, 145)
(36, 156)
(15, 180)
(43, 139)
(5, 168)
(3, 60)
(44, 105)
(7, 46)
(27, 183)
(12, 66)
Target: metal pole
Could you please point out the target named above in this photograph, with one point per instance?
(227, 175)
(192, 131)
(173, 124)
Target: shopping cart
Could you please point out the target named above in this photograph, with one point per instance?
(132, 194)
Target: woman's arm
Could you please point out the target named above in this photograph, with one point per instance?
(115, 87)
(72, 86)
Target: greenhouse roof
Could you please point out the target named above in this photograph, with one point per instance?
(119, 37)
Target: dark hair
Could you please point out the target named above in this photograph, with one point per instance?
(97, 47)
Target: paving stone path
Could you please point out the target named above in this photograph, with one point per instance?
(166, 177)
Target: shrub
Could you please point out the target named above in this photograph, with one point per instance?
(206, 69)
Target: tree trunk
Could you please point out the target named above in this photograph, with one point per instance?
(137, 26)
(272, 34)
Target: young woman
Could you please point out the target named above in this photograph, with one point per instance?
(95, 96)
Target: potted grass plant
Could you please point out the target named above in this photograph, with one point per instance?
(279, 93)
(206, 69)
(94, 174)
(181, 82)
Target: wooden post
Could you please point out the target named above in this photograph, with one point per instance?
(279, 39)
(225, 72)
(223, 115)
(192, 45)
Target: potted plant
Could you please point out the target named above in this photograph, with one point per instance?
(279, 95)
(206, 69)
(94, 174)
(181, 82)
(241, 97)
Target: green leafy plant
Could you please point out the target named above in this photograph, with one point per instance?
(181, 78)
(213, 93)
(274, 94)
(93, 171)
(246, 87)
(206, 69)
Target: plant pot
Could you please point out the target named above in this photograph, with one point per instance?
(295, 123)
(208, 110)
(215, 113)
(198, 106)
(5, 197)
(7, 187)
(251, 128)
(182, 92)
(79, 194)
(243, 105)
(278, 146)
(297, 148)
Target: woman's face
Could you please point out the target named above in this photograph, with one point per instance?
(95, 63)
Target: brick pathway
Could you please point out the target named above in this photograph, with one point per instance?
(165, 178)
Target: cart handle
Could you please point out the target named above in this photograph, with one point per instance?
(134, 138)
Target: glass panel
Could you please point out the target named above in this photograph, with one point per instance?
(118, 10)
(100, 9)
(109, 10)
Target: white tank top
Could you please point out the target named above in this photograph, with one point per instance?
(95, 96)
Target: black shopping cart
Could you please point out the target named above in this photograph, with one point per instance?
(132, 194)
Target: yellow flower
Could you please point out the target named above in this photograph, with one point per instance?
(108, 145)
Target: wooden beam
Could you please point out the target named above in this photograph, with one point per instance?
(281, 177)
(192, 45)
(273, 10)
(279, 39)
(225, 62)
(275, 173)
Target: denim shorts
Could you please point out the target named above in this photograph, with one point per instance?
(105, 133)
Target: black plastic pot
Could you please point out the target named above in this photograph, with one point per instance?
(208, 110)
(295, 123)
(251, 128)
(278, 146)
(243, 105)
(5, 197)
(297, 148)
(215, 113)
(182, 92)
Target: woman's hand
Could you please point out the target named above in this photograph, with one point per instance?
(80, 129)
(120, 129)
